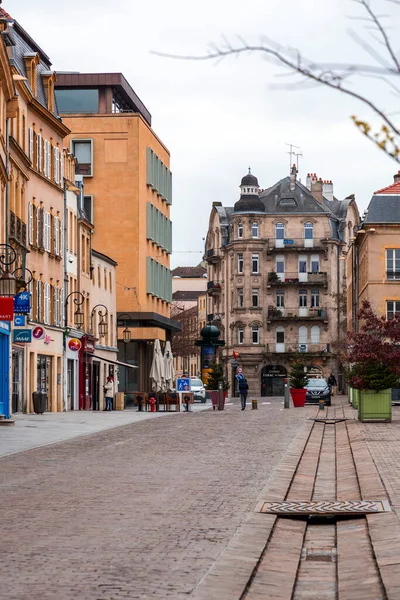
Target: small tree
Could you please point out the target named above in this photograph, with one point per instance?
(373, 356)
(298, 376)
(216, 375)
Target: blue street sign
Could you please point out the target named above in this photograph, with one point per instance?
(22, 335)
(240, 376)
(289, 242)
(19, 320)
(183, 384)
(22, 302)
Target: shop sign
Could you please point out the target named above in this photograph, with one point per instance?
(88, 345)
(39, 332)
(22, 335)
(6, 309)
(19, 320)
(75, 344)
(47, 339)
(22, 302)
(313, 370)
(4, 326)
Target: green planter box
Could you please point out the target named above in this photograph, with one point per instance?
(355, 398)
(375, 406)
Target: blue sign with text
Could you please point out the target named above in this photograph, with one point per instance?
(22, 302)
(19, 320)
(183, 384)
(22, 335)
(289, 242)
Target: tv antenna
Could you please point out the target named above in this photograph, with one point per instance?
(292, 153)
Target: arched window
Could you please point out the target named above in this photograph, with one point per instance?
(315, 334)
(308, 231)
(280, 231)
(254, 230)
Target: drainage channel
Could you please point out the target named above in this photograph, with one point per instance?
(310, 555)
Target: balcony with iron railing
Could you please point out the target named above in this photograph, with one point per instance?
(214, 255)
(293, 348)
(296, 244)
(299, 313)
(17, 229)
(214, 287)
(291, 278)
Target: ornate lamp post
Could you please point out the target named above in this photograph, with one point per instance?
(126, 335)
(10, 283)
(79, 317)
(103, 325)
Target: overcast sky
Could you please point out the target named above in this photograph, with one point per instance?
(217, 119)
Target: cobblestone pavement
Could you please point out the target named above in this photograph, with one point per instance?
(140, 511)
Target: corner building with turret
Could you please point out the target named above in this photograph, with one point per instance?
(276, 278)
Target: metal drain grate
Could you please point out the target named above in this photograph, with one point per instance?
(335, 507)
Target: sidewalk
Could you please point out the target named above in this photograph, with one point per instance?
(33, 431)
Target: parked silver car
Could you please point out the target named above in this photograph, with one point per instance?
(198, 389)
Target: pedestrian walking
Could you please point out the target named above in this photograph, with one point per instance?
(332, 383)
(243, 391)
(109, 393)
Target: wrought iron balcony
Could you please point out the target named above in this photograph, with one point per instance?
(287, 314)
(17, 229)
(213, 287)
(291, 278)
(296, 244)
(293, 348)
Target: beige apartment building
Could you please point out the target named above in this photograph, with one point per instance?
(277, 278)
(373, 262)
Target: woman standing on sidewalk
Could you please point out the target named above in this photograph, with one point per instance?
(109, 393)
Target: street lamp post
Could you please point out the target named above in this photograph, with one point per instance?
(126, 335)
(103, 325)
(79, 317)
(10, 283)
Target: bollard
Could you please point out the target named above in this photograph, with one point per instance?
(254, 404)
(321, 404)
(220, 396)
(186, 399)
(287, 401)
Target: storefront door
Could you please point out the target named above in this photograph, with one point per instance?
(44, 383)
(273, 380)
(4, 371)
(96, 385)
(17, 379)
(70, 384)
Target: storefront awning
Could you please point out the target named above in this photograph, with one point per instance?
(115, 362)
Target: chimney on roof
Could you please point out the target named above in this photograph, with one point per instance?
(327, 189)
(316, 188)
(396, 177)
(293, 174)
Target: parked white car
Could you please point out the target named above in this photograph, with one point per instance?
(197, 387)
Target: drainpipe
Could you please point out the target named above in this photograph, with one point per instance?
(338, 314)
(7, 219)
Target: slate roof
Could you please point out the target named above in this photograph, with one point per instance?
(187, 295)
(23, 45)
(280, 199)
(189, 272)
(383, 209)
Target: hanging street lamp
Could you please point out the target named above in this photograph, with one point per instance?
(79, 317)
(103, 325)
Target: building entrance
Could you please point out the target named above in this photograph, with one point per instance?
(273, 380)
(17, 379)
(44, 371)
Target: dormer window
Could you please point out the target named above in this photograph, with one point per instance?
(254, 230)
(31, 62)
(48, 83)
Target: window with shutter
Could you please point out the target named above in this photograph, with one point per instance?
(56, 235)
(30, 223)
(61, 312)
(62, 167)
(39, 301)
(39, 227)
(31, 144)
(47, 218)
(61, 238)
(45, 303)
(56, 165)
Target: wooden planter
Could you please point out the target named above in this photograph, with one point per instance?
(355, 398)
(298, 397)
(375, 406)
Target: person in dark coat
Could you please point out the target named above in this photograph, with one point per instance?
(243, 391)
(332, 382)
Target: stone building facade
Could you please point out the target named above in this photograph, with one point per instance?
(276, 271)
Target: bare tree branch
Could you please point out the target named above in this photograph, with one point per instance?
(375, 19)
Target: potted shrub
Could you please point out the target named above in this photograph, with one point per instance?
(298, 380)
(273, 311)
(215, 375)
(373, 357)
(273, 277)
